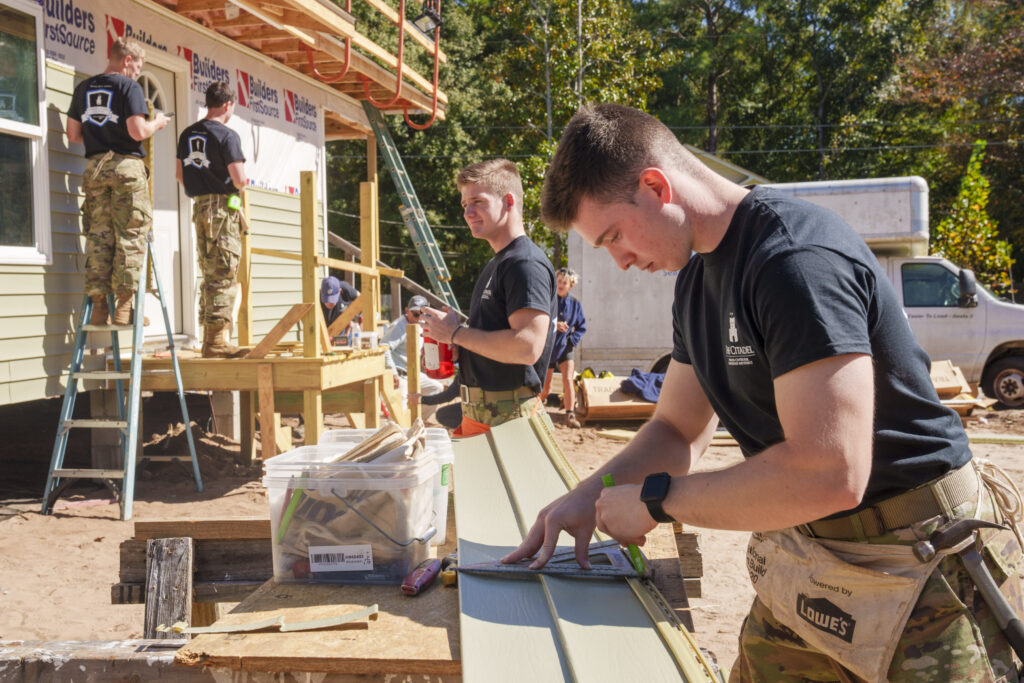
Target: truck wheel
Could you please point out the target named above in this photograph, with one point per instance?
(660, 365)
(1007, 381)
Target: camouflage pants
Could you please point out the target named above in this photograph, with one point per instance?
(219, 248)
(494, 413)
(117, 215)
(951, 635)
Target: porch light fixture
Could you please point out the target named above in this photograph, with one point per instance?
(429, 20)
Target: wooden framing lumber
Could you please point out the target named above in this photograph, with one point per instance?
(168, 585)
(347, 316)
(268, 416)
(236, 528)
(294, 315)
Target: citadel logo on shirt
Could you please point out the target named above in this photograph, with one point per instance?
(196, 152)
(736, 353)
(97, 110)
(486, 295)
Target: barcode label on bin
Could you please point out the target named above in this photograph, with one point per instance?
(340, 558)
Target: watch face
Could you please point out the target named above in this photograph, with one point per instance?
(655, 487)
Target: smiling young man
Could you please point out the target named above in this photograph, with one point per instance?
(504, 349)
(786, 329)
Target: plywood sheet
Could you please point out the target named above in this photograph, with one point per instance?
(603, 400)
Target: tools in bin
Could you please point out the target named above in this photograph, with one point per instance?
(331, 519)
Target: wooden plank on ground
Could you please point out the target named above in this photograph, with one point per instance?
(602, 399)
(294, 315)
(168, 585)
(221, 528)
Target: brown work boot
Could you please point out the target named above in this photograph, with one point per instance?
(570, 419)
(100, 310)
(216, 344)
(123, 310)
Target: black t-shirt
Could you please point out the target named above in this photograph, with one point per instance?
(206, 149)
(103, 104)
(791, 283)
(519, 276)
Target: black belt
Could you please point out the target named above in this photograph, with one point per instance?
(937, 497)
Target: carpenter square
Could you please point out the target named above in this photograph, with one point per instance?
(607, 561)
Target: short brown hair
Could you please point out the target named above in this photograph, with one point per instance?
(500, 176)
(601, 154)
(126, 47)
(218, 94)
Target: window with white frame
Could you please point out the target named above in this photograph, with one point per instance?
(24, 213)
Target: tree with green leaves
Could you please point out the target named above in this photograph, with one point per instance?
(968, 237)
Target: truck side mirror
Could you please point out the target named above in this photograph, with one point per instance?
(968, 289)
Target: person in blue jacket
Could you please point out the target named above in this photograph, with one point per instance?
(568, 332)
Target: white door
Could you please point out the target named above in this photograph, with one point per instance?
(159, 86)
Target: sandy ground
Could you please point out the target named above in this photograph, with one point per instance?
(56, 570)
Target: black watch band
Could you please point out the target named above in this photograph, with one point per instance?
(653, 493)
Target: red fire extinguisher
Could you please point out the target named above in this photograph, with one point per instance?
(438, 362)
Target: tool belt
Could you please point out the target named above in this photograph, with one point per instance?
(937, 497)
(478, 395)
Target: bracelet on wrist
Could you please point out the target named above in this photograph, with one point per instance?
(454, 332)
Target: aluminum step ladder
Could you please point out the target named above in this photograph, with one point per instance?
(412, 210)
(127, 423)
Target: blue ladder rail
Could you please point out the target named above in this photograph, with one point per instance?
(127, 422)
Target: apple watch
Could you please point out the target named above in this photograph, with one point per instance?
(653, 492)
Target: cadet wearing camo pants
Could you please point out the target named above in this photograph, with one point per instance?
(211, 166)
(108, 113)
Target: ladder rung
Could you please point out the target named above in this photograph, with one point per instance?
(102, 374)
(97, 424)
(89, 474)
(107, 328)
(165, 458)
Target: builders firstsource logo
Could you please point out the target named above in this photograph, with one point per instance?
(299, 110)
(203, 70)
(71, 27)
(119, 28)
(257, 96)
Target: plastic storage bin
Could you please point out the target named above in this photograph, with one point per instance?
(349, 522)
(438, 442)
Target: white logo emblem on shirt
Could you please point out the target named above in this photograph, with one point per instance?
(735, 353)
(98, 111)
(197, 152)
(486, 295)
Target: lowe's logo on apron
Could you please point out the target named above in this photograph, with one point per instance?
(825, 616)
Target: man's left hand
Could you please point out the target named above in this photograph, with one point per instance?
(623, 516)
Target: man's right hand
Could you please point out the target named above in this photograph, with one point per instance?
(573, 513)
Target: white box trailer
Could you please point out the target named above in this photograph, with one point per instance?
(629, 314)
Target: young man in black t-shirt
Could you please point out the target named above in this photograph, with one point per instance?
(211, 166)
(109, 114)
(787, 330)
(504, 350)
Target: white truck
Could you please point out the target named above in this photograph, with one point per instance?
(629, 322)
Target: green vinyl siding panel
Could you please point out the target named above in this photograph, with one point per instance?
(40, 304)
